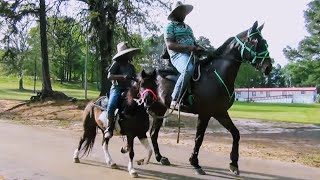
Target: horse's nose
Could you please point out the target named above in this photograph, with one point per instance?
(268, 70)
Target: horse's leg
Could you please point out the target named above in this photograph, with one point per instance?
(107, 156)
(89, 133)
(201, 128)
(225, 120)
(131, 170)
(76, 152)
(154, 132)
(144, 141)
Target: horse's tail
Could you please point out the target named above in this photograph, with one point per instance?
(90, 128)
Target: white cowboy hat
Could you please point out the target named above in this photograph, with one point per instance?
(179, 7)
(123, 49)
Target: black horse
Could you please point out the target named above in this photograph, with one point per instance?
(213, 93)
(133, 121)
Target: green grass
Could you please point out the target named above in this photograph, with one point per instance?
(9, 89)
(299, 113)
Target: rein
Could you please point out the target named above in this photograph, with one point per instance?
(254, 54)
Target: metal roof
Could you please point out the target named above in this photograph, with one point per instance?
(278, 89)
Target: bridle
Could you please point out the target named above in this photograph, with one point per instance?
(155, 99)
(154, 96)
(253, 53)
(141, 95)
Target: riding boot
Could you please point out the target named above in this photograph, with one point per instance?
(108, 133)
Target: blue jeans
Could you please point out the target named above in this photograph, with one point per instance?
(113, 101)
(185, 67)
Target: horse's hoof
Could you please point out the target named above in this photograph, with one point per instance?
(234, 169)
(134, 174)
(76, 160)
(165, 161)
(114, 166)
(199, 171)
(140, 162)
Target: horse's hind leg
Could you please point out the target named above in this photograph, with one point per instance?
(131, 170)
(76, 152)
(225, 120)
(144, 141)
(201, 129)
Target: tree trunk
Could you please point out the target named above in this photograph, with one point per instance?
(104, 24)
(21, 81)
(46, 82)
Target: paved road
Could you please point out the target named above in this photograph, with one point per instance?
(29, 152)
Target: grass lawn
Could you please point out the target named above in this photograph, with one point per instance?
(9, 89)
(300, 113)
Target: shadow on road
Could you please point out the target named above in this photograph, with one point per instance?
(212, 173)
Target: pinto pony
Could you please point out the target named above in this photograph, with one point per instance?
(133, 120)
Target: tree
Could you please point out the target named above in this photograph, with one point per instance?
(14, 58)
(304, 66)
(106, 15)
(13, 12)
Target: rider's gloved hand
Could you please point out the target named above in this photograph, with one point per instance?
(196, 50)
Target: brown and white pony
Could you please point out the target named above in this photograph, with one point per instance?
(133, 121)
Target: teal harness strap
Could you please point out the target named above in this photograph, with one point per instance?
(224, 84)
(263, 55)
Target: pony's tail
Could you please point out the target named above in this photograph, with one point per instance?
(90, 129)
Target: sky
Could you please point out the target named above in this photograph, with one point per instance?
(220, 19)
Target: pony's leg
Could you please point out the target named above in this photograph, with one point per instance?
(154, 132)
(131, 170)
(76, 152)
(201, 128)
(107, 156)
(225, 120)
(144, 141)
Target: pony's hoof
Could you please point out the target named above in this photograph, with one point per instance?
(114, 166)
(134, 174)
(234, 169)
(165, 161)
(76, 160)
(140, 162)
(199, 171)
(124, 149)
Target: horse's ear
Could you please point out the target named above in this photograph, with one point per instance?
(154, 74)
(261, 27)
(253, 28)
(143, 74)
(255, 25)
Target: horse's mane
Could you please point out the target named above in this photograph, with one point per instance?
(218, 52)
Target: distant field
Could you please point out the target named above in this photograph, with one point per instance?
(300, 113)
(9, 89)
